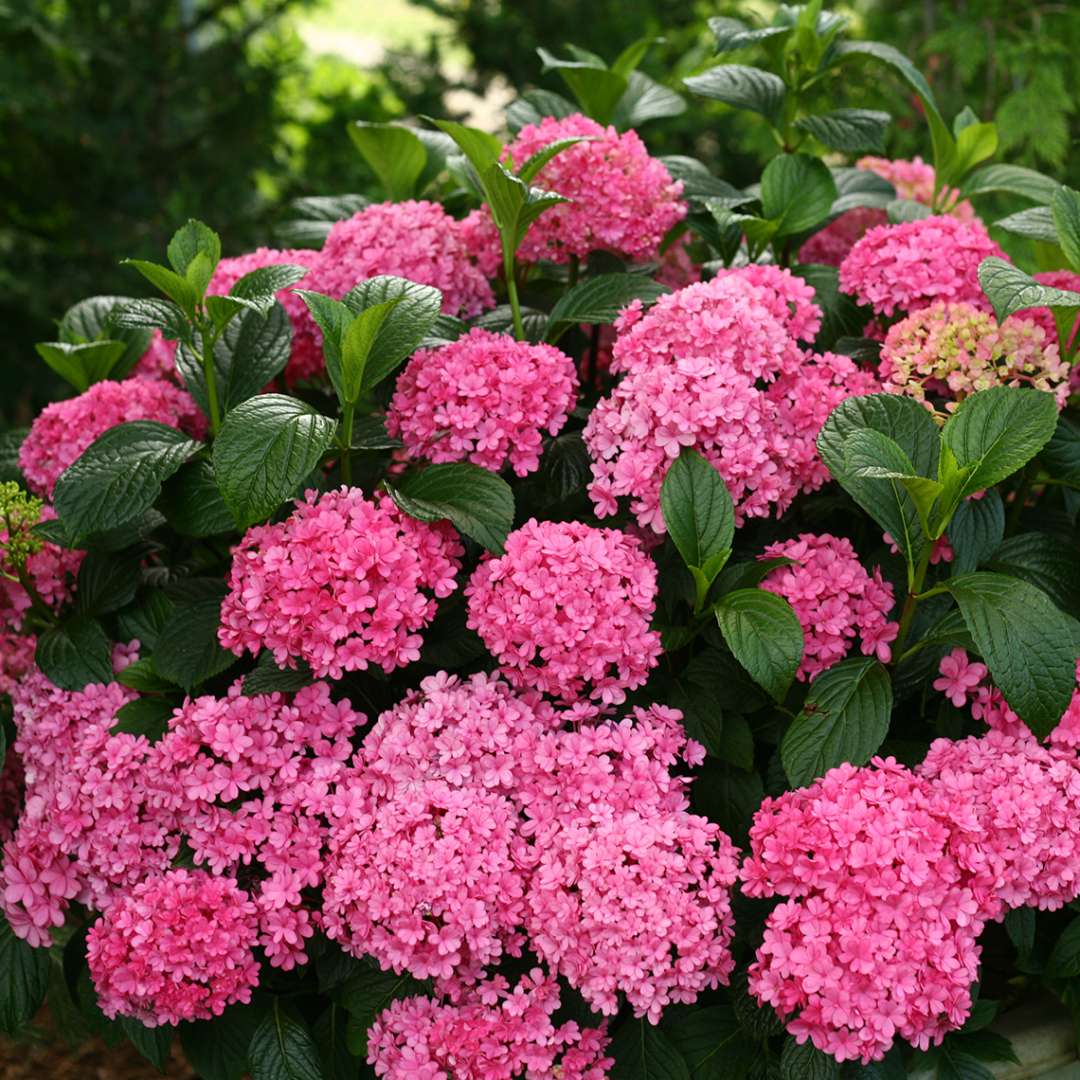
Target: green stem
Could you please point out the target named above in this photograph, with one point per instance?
(347, 414)
(515, 304)
(907, 613)
(210, 374)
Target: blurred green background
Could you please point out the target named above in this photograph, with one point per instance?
(121, 118)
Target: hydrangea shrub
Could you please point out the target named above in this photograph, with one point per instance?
(572, 619)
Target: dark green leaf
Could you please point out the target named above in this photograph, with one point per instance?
(75, 653)
(975, 531)
(1061, 456)
(192, 240)
(957, 1064)
(267, 678)
(742, 87)
(1064, 962)
(1010, 290)
(395, 154)
(337, 1061)
(732, 34)
(699, 183)
(366, 994)
(107, 582)
(763, 632)
(643, 1052)
(1035, 223)
(153, 1043)
(1020, 926)
(850, 130)
(728, 796)
(267, 447)
(479, 503)
(10, 441)
(698, 511)
(24, 980)
(645, 99)
(599, 300)
(711, 1042)
(900, 210)
(146, 620)
(1013, 179)
(192, 503)
(1065, 208)
(282, 1048)
(81, 365)
(596, 87)
(314, 216)
(141, 675)
(256, 348)
(479, 147)
(218, 1049)
(143, 716)
(152, 314)
(845, 718)
(175, 286)
(187, 650)
(534, 105)
(1044, 561)
(805, 1062)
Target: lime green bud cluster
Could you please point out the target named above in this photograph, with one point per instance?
(19, 513)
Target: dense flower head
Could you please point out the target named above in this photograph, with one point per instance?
(834, 598)
(417, 240)
(498, 1033)
(566, 610)
(791, 300)
(915, 180)
(306, 358)
(64, 429)
(159, 360)
(913, 264)
(621, 200)
(175, 947)
(485, 398)
(948, 351)
(342, 583)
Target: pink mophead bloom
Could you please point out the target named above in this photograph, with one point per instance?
(567, 610)
(834, 598)
(64, 429)
(485, 398)
(916, 263)
(344, 582)
(718, 367)
(948, 351)
(176, 947)
(417, 240)
(621, 200)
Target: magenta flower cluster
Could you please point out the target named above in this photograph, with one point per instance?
(621, 200)
(718, 366)
(344, 582)
(64, 429)
(567, 610)
(485, 398)
(834, 598)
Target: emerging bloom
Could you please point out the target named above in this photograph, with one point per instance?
(485, 398)
(621, 199)
(949, 351)
(417, 240)
(496, 1034)
(913, 264)
(343, 582)
(176, 947)
(51, 571)
(567, 610)
(834, 598)
(64, 429)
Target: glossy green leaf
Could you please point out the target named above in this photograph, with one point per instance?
(763, 632)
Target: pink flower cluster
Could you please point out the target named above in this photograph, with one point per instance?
(916, 263)
(415, 240)
(1056, 279)
(306, 359)
(834, 598)
(566, 610)
(344, 582)
(951, 350)
(717, 367)
(485, 398)
(159, 360)
(891, 877)
(621, 199)
(64, 429)
(498, 1034)
(176, 947)
(475, 824)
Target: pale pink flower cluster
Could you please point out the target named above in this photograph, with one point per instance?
(567, 610)
(417, 240)
(64, 429)
(834, 598)
(475, 825)
(497, 1034)
(621, 200)
(915, 180)
(306, 358)
(485, 398)
(891, 876)
(176, 947)
(913, 264)
(949, 351)
(716, 367)
(342, 583)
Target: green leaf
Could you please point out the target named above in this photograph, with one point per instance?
(534, 105)
(797, 192)
(698, 512)
(741, 87)
(314, 216)
(153, 314)
(366, 994)
(81, 365)
(645, 99)
(268, 678)
(396, 156)
(480, 148)
(805, 1062)
(267, 447)
(259, 288)
(763, 632)
(146, 620)
(415, 311)
(194, 251)
(974, 144)
(529, 170)
(356, 347)
(153, 1043)
(643, 1052)
(732, 34)
(331, 1039)
(957, 1064)
(901, 210)
(729, 796)
(849, 130)
(24, 980)
(1012, 179)
(479, 503)
(596, 87)
(1061, 456)
(192, 503)
(1029, 645)
(143, 716)
(1019, 924)
(514, 205)
(75, 653)
(975, 531)
(218, 1049)
(176, 288)
(845, 718)
(598, 300)
(1035, 223)
(187, 650)
(1010, 290)
(869, 454)
(997, 431)
(1045, 561)
(699, 183)
(1065, 208)
(282, 1048)
(107, 582)
(10, 441)
(118, 478)
(141, 676)
(711, 1042)
(1064, 962)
